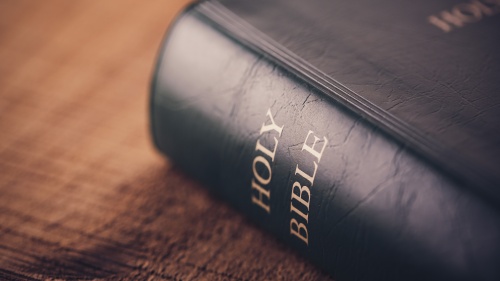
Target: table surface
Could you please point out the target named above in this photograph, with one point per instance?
(83, 194)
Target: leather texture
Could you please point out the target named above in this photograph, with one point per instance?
(438, 92)
(378, 210)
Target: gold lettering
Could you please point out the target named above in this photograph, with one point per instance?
(447, 16)
(299, 196)
(260, 180)
(262, 192)
(493, 5)
(298, 212)
(300, 199)
(299, 227)
(439, 23)
(464, 13)
(261, 159)
(311, 149)
(483, 7)
(306, 176)
(266, 151)
(271, 126)
(467, 12)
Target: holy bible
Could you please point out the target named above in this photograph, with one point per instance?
(364, 134)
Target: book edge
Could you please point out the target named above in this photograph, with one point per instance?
(156, 69)
(436, 153)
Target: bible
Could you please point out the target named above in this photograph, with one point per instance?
(363, 134)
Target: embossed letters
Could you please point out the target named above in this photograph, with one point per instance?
(301, 194)
(464, 13)
(262, 176)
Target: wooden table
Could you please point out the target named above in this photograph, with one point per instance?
(83, 194)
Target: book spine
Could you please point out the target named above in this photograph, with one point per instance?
(324, 180)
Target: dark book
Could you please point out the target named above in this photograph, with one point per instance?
(364, 134)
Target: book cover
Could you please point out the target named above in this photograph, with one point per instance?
(365, 135)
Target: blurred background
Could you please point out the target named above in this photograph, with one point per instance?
(83, 194)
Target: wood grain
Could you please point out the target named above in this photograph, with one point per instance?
(83, 195)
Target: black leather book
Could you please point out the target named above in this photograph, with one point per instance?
(365, 134)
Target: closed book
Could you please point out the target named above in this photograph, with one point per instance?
(364, 134)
